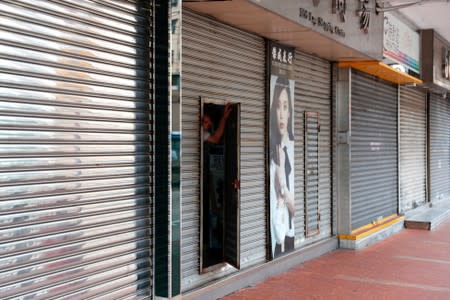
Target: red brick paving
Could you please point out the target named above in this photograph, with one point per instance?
(414, 264)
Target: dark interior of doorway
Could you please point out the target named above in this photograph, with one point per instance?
(220, 187)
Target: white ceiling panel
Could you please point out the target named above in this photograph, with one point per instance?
(428, 15)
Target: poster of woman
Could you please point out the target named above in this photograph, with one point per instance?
(281, 151)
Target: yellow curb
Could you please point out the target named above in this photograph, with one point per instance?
(375, 227)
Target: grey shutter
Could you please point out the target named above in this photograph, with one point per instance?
(333, 118)
(412, 148)
(75, 150)
(439, 148)
(312, 215)
(232, 228)
(224, 63)
(373, 149)
(312, 93)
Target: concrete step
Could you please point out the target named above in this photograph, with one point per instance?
(372, 233)
(428, 217)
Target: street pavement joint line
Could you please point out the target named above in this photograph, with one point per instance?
(436, 242)
(431, 260)
(393, 283)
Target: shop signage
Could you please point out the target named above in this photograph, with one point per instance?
(364, 16)
(341, 7)
(321, 22)
(400, 43)
(282, 55)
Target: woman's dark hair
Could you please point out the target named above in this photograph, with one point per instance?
(275, 137)
(214, 112)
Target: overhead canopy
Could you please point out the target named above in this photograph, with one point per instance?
(381, 70)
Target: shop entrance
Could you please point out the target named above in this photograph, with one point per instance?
(220, 184)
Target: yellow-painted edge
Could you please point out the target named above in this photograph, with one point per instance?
(373, 224)
(375, 228)
(377, 68)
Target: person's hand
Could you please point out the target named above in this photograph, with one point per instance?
(227, 110)
(217, 135)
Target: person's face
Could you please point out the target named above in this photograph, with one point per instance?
(283, 113)
(206, 122)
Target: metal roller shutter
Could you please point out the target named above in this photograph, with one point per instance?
(313, 94)
(333, 120)
(373, 149)
(439, 148)
(312, 215)
(75, 150)
(412, 148)
(222, 62)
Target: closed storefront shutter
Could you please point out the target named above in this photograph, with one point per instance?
(313, 94)
(75, 150)
(439, 148)
(412, 148)
(223, 63)
(373, 149)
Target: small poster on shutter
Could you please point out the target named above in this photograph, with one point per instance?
(281, 149)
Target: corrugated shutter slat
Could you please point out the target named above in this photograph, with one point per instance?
(223, 63)
(373, 149)
(412, 148)
(313, 93)
(75, 149)
(439, 148)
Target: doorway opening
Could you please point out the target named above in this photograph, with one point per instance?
(219, 228)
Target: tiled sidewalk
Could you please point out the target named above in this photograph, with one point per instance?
(414, 264)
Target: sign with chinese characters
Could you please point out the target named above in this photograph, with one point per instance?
(281, 78)
(364, 16)
(341, 7)
(281, 59)
(400, 43)
(281, 55)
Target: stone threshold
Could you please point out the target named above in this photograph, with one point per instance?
(428, 217)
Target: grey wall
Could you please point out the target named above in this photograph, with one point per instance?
(431, 58)
(439, 79)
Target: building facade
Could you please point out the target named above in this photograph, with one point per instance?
(186, 149)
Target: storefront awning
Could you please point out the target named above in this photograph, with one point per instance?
(381, 70)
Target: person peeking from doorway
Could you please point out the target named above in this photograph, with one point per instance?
(214, 136)
(282, 206)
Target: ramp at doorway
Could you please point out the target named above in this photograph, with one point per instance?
(428, 217)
